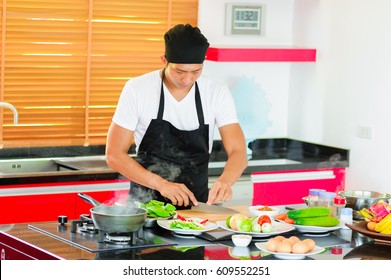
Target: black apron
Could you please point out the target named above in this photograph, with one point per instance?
(179, 156)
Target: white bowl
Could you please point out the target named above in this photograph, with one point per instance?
(241, 240)
(254, 211)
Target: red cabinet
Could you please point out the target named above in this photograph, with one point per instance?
(289, 187)
(45, 202)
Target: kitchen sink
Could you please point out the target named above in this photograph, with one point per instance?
(92, 163)
(18, 166)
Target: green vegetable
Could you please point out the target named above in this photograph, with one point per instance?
(266, 228)
(256, 228)
(245, 225)
(325, 221)
(157, 209)
(186, 225)
(317, 211)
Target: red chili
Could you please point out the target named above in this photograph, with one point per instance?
(204, 222)
(181, 218)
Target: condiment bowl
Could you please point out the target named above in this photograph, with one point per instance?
(241, 240)
(259, 210)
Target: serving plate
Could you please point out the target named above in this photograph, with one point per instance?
(151, 221)
(361, 227)
(207, 227)
(277, 228)
(289, 256)
(316, 229)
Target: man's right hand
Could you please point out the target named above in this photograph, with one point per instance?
(178, 194)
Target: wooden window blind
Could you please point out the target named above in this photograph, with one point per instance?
(64, 63)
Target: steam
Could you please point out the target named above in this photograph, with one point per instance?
(165, 169)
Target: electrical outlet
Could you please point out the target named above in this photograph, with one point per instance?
(364, 132)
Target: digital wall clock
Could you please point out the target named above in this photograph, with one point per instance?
(244, 19)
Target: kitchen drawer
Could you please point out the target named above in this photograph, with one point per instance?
(45, 202)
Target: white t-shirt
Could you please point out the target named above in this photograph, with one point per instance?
(139, 104)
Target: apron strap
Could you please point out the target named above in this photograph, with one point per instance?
(161, 102)
(200, 112)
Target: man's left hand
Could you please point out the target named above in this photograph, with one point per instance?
(219, 192)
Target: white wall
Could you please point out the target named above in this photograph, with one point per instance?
(268, 81)
(324, 102)
(351, 85)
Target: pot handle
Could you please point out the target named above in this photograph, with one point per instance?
(89, 199)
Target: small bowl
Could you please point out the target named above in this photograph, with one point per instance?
(241, 240)
(255, 212)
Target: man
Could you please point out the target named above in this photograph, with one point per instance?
(171, 115)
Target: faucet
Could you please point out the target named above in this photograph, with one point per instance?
(8, 105)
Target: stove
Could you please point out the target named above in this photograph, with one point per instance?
(83, 234)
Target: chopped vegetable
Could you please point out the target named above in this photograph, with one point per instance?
(189, 225)
(281, 216)
(158, 209)
(289, 220)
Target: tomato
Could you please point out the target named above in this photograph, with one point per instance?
(264, 219)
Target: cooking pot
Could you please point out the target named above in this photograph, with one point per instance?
(115, 218)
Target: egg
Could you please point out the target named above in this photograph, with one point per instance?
(310, 243)
(271, 245)
(293, 240)
(279, 237)
(300, 247)
(284, 247)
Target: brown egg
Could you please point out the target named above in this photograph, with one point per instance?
(279, 237)
(300, 247)
(294, 239)
(284, 247)
(271, 245)
(310, 243)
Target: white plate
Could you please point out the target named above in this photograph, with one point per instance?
(277, 228)
(289, 256)
(314, 229)
(207, 227)
(150, 221)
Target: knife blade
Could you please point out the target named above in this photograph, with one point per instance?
(203, 207)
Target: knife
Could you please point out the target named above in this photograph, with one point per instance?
(203, 207)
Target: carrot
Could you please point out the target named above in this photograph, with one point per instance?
(289, 220)
(281, 217)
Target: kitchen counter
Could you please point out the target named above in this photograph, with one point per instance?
(28, 243)
(76, 163)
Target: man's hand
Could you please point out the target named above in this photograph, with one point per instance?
(220, 191)
(178, 194)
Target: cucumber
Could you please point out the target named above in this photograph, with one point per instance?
(317, 211)
(324, 221)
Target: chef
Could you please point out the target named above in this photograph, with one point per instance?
(171, 114)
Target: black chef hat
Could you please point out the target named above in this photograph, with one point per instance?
(185, 45)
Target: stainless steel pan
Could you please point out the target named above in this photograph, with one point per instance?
(114, 218)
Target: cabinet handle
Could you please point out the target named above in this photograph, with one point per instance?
(295, 176)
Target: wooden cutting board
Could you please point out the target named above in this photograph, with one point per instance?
(213, 217)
